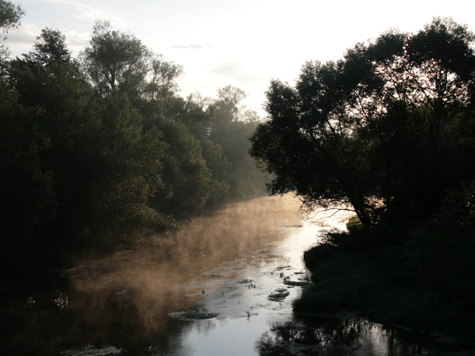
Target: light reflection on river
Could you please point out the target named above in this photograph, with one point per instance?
(222, 286)
(245, 311)
(225, 263)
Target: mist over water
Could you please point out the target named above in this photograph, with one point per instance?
(223, 285)
(133, 291)
(158, 266)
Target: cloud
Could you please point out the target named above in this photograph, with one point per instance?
(80, 10)
(20, 40)
(192, 46)
(237, 71)
(77, 41)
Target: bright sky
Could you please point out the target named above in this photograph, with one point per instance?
(243, 43)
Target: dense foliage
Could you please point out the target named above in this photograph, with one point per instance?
(103, 148)
(388, 129)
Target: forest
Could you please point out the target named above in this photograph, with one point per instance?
(101, 149)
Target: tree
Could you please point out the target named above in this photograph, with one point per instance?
(50, 84)
(376, 129)
(119, 62)
(127, 171)
(116, 60)
(103, 165)
(187, 182)
(192, 113)
(230, 126)
(50, 47)
(10, 15)
(162, 82)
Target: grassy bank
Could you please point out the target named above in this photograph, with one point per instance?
(420, 279)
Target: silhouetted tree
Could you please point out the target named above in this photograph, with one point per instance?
(375, 129)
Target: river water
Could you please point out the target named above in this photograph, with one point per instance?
(222, 286)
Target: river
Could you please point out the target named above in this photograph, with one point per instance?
(224, 285)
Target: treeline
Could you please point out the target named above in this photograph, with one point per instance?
(102, 146)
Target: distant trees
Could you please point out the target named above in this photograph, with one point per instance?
(102, 147)
(230, 128)
(386, 129)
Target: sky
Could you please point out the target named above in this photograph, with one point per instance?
(243, 43)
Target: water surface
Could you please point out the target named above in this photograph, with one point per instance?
(222, 286)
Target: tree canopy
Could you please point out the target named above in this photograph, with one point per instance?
(385, 129)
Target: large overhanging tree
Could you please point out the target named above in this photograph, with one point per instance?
(383, 129)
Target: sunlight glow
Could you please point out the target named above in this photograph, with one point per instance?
(244, 44)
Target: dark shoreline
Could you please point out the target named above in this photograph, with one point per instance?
(390, 279)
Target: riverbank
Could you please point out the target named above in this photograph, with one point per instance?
(416, 279)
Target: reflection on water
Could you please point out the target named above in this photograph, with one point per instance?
(334, 336)
(222, 286)
(173, 273)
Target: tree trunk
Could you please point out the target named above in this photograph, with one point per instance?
(362, 213)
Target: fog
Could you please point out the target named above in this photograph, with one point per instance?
(195, 293)
(138, 287)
